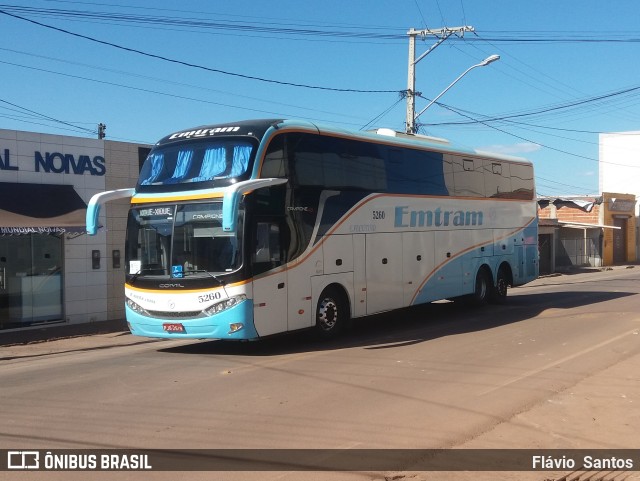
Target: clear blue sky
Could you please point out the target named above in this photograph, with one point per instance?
(572, 67)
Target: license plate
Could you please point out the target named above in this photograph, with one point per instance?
(173, 327)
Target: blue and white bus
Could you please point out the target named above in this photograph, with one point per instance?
(253, 228)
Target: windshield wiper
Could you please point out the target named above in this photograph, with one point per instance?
(193, 271)
(144, 269)
(201, 271)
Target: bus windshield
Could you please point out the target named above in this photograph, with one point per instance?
(180, 241)
(220, 161)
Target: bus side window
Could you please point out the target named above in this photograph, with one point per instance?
(273, 164)
(267, 254)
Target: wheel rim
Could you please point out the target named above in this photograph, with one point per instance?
(501, 286)
(327, 314)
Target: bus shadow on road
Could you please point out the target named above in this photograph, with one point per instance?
(409, 326)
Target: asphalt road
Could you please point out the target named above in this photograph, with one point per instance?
(438, 376)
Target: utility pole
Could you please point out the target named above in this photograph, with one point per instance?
(101, 130)
(442, 34)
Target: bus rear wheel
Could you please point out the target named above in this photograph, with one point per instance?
(331, 314)
(499, 291)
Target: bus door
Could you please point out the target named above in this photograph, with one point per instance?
(269, 278)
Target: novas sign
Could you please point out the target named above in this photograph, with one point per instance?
(66, 163)
(57, 163)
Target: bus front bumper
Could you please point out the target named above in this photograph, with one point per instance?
(235, 323)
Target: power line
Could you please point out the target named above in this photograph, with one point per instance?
(520, 123)
(464, 14)
(46, 117)
(385, 112)
(552, 184)
(174, 96)
(162, 80)
(188, 64)
(139, 89)
(544, 110)
(200, 22)
(297, 29)
(526, 78)
(459, 112)
(444, 22)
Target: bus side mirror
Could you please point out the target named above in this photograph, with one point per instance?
(232, 196)
(93, 208)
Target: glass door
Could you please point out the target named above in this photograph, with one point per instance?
(30, 279)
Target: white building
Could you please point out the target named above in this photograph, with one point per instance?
(620, 163)
(620, 168)
(50, 271)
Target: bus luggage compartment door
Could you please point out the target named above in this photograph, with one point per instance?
(384, 272)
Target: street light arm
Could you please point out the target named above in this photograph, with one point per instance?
(432, 48)
(485, 62)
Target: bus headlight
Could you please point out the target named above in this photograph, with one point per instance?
(225, 304)
(136, 308)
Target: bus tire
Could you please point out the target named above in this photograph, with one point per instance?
(499, 291)
(483, 287)
(331, 313)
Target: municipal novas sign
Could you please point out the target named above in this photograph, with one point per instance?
(56, 163)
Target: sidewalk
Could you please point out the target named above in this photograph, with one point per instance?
(61, 331)
(83, 342)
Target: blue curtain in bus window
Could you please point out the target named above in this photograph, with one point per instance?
(213, 164)
(157, 163)
(241, 155)
(183, 164)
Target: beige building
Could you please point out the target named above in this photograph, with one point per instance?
(50, 271)
(619, 168)
(619, 211)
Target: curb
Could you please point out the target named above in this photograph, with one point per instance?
(61, 331)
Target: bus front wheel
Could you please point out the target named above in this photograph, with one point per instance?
(482, 289)
(331, 313)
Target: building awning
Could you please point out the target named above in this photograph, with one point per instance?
(580, 225)
(40, 209)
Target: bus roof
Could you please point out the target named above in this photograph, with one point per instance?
(259, 127)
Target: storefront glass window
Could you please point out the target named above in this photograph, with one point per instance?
(30, 280)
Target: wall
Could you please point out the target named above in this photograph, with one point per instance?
(89, 294)
(619, 166)
(84, 288)
(619, 206)
(577, 245)
(569, 211)
(123, 169)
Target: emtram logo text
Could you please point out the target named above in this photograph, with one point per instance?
(404, 217)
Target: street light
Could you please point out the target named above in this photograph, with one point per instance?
(484, 63)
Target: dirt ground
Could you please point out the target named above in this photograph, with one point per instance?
(601, 411)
